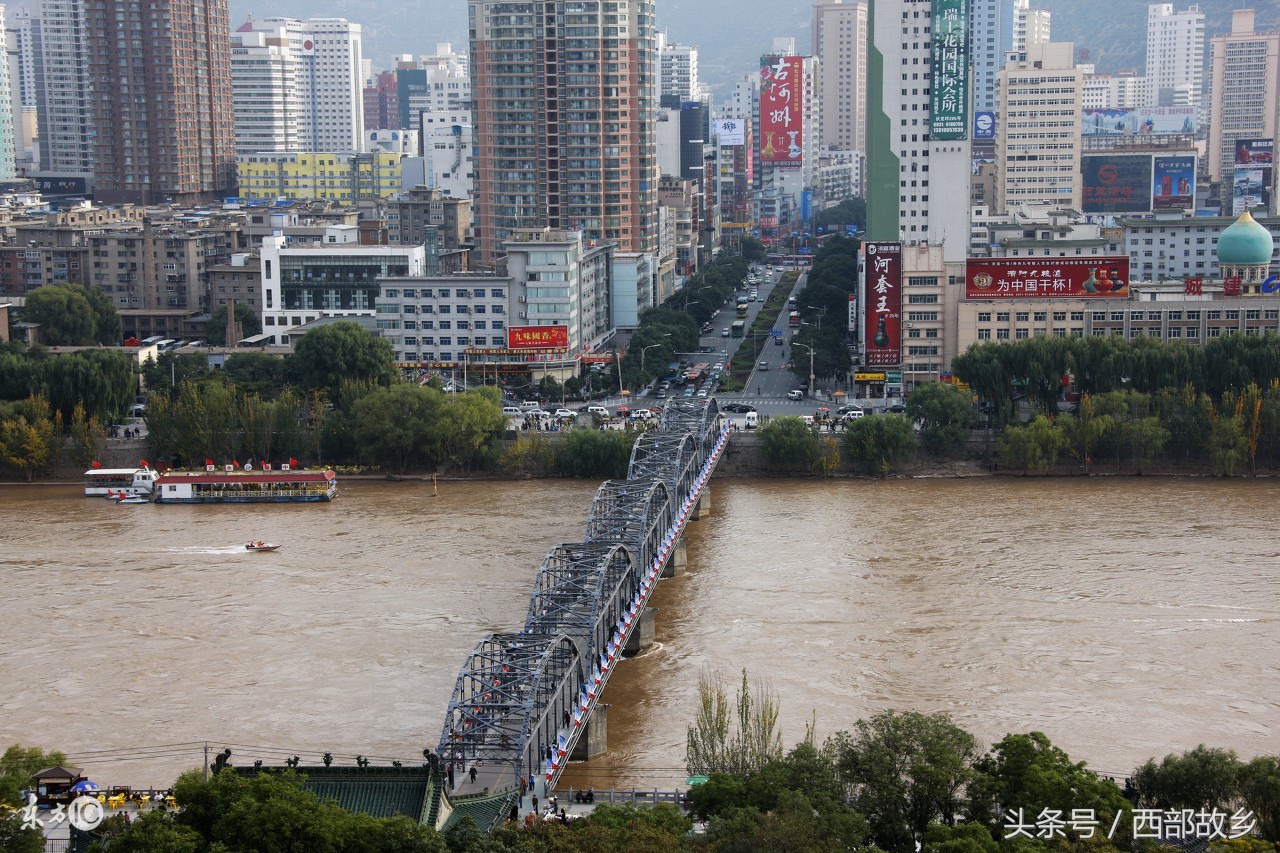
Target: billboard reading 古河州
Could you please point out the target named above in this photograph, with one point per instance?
(537, 337)
(882, 329)
(1045, 278)
(1116, 183)
(782, 109)
(949, 95)
(1174, 182)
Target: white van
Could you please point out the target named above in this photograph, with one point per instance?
(751, 419)
(795, 394)
(512, 411)
(598, 410)
(530, 405)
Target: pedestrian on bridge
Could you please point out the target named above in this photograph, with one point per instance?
(472, 773)
(535, 803)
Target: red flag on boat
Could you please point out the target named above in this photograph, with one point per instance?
(143, 463)
(95, 464)
(293, 461)
(208, 462)
(235, 463)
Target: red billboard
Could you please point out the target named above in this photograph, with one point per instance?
(1116, 183)
(538, 337)
(781, 109)
(882, 332)
(1045, 278)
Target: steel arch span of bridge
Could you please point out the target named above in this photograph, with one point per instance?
(523, 698)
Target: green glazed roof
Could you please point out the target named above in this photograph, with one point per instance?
(1245, 243)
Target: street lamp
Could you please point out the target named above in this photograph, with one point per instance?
(644, 350)
(822, 312)
(810, 349)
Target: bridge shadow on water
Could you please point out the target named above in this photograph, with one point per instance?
(524, 698)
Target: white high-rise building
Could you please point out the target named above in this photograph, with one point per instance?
(678, 71)
(265, 98)
(1175, 55)
(1030, 26)
(840, 43)
(63, 104)
(328, 63)
(22, 86)
(919, 148)
(7, 146)
(1038, 138)
(1244, 79)
(1119, 91)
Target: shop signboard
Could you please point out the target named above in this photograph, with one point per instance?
(537, 337)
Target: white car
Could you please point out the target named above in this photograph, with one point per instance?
(566, 413)
(537, 413)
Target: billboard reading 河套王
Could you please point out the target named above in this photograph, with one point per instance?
(949, 95)
(1045, 278)
(1174, 182)
(782, 109)
(1116, 183)
(537, 337)
(882, 332)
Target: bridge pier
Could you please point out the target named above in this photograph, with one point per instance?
(676, 562)
(703, 506)
(642, 635)
(594, 741)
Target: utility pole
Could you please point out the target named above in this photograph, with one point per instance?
(810, 349)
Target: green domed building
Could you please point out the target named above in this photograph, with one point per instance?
(1245, 249)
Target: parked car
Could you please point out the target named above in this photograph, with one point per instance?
(897, 409)
(566, 413)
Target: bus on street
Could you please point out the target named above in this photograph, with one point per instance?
(739, 328)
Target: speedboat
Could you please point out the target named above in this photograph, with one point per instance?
(123, 498)
(260, 546)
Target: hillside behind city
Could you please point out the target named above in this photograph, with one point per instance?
(732, 34)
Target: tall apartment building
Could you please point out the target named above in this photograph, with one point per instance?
(1038, 137)
(992, 39)
(564, 100)
(919, 156)
(678, 72)
(327, 58)
(265, 97)
(7, 139)
(382, 102)
(22, 85)
(160, 78)
(343, 177)
(1244, 79)
(1175, 55)
(840, 43)
(64, 107)
(1118, 91)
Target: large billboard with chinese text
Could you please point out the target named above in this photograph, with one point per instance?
(1174, 183)
(1045, 278)
(882, 329)
(1254, 153)
(949, 98)
(1138, 121)
(537, 337)
(782, 109)
(1116, 183)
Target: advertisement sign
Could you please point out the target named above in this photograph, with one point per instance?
(984, 125)
(1139, 121)
(949, 101)
(852, 323)
(1116, 183)
(1251, 188)
(1254, 152)
(1174, 186)
(61, 186)
(806, 206)
(882, 333)
(537, 337)
(781, 109)
(732, 131)
(1045, 278)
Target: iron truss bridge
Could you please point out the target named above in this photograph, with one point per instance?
(524, 696)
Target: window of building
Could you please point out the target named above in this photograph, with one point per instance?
(1002, 334)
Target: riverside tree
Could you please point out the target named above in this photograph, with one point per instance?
(733, 738)
(72, 315)
(788, 443)
(946, 415)
(878, 444)
(341, 352)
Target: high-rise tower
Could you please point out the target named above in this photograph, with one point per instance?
(840, 43)
(564, 95)
(1175, 55)
(160, 78)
